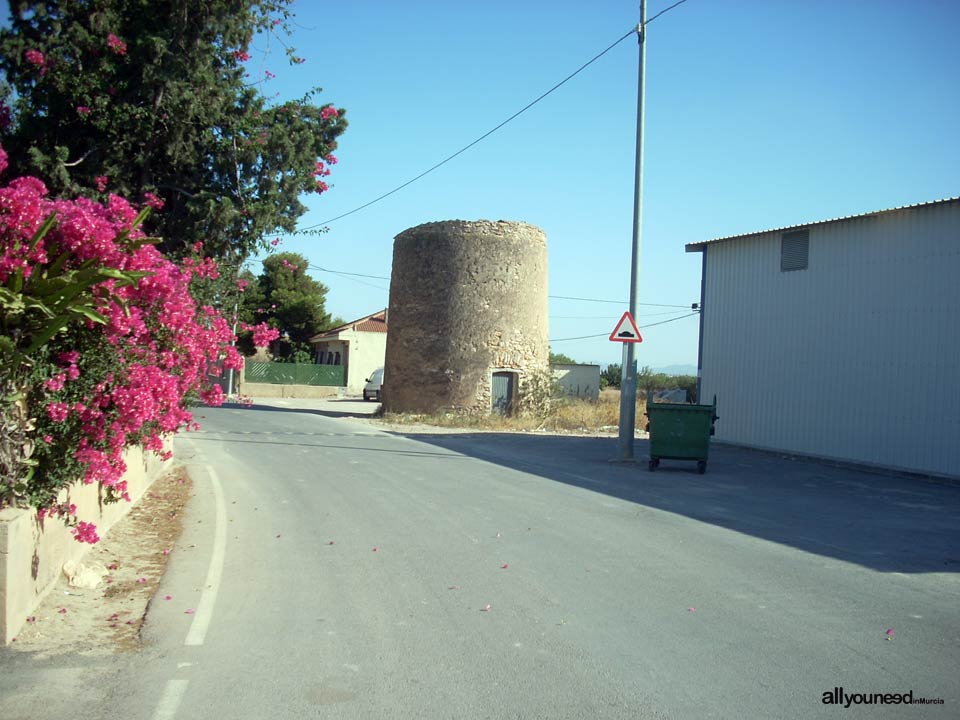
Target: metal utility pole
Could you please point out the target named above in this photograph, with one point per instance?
(628, 378)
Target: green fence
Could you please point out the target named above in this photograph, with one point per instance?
(295, 374)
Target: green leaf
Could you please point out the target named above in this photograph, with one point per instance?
(45, 336)
(89, 313)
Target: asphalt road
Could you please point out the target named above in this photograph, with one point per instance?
(340, 571)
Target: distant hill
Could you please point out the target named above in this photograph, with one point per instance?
(677, 370)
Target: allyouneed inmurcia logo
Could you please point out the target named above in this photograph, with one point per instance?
(837, 696)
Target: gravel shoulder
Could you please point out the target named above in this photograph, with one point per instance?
(108, 619)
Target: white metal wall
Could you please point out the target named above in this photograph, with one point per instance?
(856, 358)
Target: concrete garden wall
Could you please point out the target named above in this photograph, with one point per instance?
(32, 553)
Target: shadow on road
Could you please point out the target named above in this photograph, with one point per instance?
(883, 522)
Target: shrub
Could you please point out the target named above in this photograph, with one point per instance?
(102, 346)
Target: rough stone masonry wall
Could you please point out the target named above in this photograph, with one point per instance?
(466, 298)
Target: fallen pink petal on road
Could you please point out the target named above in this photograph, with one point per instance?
(62, 611)
(189, 611)
(504, 566)
(691, 609)
(141, 580)
(376, 549)
(168, 597)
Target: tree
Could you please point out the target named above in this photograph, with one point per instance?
(287, 299)
(610, 377)
(561, 359)
(151, 101)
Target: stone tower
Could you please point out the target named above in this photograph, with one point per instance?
(468, 316)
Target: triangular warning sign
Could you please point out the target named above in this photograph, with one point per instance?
(626, 330)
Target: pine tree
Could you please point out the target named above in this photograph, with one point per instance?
(288, 299)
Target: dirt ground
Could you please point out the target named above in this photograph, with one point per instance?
(108, 619)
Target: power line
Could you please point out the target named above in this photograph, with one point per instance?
(641, 327)
(664, 11)
(341, 272)
(614, 302)
(353, 277)
(554, 297)
(609, 317)
(482, 137)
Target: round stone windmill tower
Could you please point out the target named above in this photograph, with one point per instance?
(468, 317)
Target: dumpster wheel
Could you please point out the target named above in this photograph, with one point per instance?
(701, 466)
(653, 464)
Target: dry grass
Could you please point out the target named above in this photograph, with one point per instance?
(566, 415)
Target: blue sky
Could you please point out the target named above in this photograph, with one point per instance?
(759, 114)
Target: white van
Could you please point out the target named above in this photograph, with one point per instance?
(371, 391)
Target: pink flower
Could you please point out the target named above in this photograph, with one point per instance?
(242, 284)
(322, 187)
(83, 110)
(86, 532)
(329, 112)
(240, 55)
(35, 57)
(101, 182)
(263, 334)
(269, 74)
(57, 411)
(118, 46)
(275, 242)
(153, 201)
(331, 159)
(55, 383)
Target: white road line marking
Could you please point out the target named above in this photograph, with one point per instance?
(171, 699)
(201, 619)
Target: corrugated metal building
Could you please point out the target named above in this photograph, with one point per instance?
(839, 339)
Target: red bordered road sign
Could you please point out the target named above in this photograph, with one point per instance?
(626, 330)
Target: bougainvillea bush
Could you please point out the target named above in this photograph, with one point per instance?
(102, 345)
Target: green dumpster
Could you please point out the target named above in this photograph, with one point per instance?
(680, 432)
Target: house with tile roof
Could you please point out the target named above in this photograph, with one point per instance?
(359, 346)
